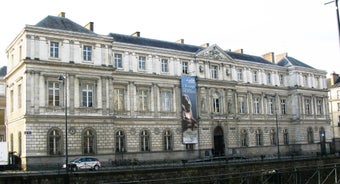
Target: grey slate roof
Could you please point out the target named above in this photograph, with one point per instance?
(247, 57)
(287, 60)
(154, 43)
(180, 47)
(62, 23)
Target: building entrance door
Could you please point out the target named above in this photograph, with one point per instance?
(218, 149)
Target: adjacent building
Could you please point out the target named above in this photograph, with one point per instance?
(2, 103)
(130, 97)
(334, 106)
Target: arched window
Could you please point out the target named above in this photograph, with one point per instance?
(145, 140)
(89, 141)
(167, 140)
(54, 142)
(120, 141)
(310, 135)
(244, 138)
(259, 137)
(272, 137)
(285, 137)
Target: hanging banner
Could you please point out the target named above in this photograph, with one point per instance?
(189, 114)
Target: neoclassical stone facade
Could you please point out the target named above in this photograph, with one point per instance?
(123, 96)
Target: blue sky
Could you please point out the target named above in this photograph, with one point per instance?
(305, 29)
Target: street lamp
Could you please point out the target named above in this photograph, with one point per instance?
(63, 79)
(277, 126)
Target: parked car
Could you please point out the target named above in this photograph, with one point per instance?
(90, 163)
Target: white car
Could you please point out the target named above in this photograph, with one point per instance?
(90, 163)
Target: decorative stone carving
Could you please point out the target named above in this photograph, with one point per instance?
(132, 131)
(156, 130)
(72, 130)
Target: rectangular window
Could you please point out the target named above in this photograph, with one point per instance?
(338, 106)
(53, 93)
(307, 106)
(87, 53)
(259, 138)
(118, 59)
(19, 96)
(185, 67)
(143, 98)
(283, 106)
(282, 79)
(338, 94)
(141, 62)
(54, 49)
(239, 74)
(319, 106)
(242, 107)
(165, 67)
(213, 71)
(256, 106)
(216, 105)
(271, 106)
(269, 79)
(87, 95)
(118, 99)
(166, 99)
(255, 76)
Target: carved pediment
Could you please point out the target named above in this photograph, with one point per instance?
(214, 52)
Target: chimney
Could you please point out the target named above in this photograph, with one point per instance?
(61, 14)
(136, 34)
(89, 26)
(281, 56)
(334, 78)
(180, 41)
(269, 57)
(205, 45)
(239, 51)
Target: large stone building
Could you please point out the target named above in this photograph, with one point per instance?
(138, 98)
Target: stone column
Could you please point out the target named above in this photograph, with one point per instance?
(71, 93)
(110, 96)
(36, 92)
(104, 95)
